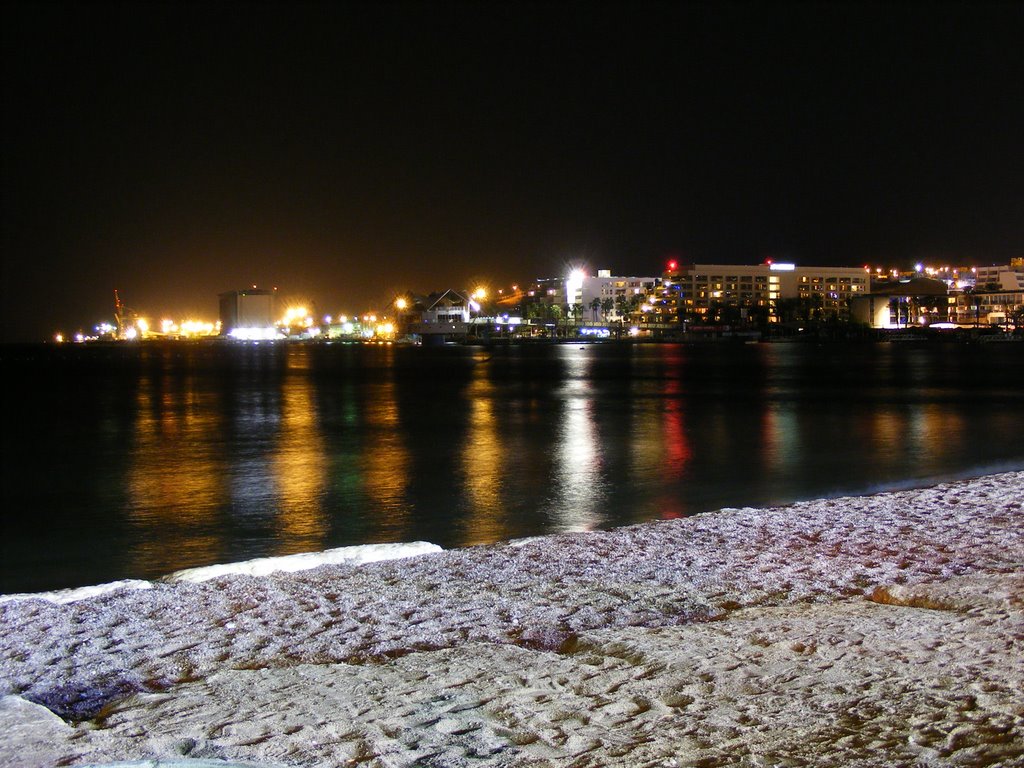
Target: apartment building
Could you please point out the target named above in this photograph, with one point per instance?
(1007, 278)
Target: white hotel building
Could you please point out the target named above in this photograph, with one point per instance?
(763, 285)
(696, 290)
(582, 289)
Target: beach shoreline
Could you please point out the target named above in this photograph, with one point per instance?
(874, 630)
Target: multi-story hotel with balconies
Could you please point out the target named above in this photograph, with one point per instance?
(703, 291)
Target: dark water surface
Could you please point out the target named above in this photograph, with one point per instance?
(134, 461)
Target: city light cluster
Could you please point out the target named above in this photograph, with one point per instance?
(137, 328)
(189, 328)
(578, 300)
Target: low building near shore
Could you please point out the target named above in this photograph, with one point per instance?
(443, 316)
(915, 302)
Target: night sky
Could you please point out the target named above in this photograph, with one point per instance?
(346, 152)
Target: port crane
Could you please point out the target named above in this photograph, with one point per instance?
(124, 317)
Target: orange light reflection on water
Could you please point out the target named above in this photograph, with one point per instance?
(482, 463)
(299, 467)
(384, 466)
(174, 484)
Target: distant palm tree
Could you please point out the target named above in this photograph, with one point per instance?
(595, 306)
(607, 306)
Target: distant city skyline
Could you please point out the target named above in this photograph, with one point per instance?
(349, 152)
(694, 288)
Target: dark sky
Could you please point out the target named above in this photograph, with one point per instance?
(343, 152)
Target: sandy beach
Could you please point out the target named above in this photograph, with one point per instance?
(861, 631)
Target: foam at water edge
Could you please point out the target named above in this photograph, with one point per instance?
(78, 593)
(262, 566)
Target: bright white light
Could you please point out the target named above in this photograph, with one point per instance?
(255, 334)
(782, 267)
(573, 285)
(918, 267)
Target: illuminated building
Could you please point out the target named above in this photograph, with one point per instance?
(607, 296)
(449, 307)
(989, 308)
(1005, 278)
(445, 315)
(717, 292)
(912, 302)
(247, 312)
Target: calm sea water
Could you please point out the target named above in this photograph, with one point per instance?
(135, 461)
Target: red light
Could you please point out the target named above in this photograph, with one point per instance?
(672, 266)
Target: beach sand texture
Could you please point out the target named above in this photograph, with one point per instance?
(859, 631)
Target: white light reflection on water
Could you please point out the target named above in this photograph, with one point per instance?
(577, 477)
